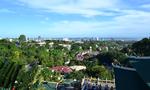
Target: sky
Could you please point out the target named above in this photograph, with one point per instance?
(75, 18)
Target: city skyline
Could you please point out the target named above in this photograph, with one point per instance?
(75, 18)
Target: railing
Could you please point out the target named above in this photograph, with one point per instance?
(98, 82)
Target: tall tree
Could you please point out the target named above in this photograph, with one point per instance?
(22, 38)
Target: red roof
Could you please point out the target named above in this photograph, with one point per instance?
(62, 69)
(13, 88)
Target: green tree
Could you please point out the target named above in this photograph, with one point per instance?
(75, 75)
(26, 77)
(22, 38)
(99, 71)
(142, 48)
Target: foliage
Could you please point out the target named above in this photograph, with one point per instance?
(20, 57)
(8, 74)
(75, 75)
(109, 57)
(99, 71)
(46, 73)
(142, 48)
(28, 78)
(22, 38)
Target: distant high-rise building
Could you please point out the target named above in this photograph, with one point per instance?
(39, 38)
(97, 38)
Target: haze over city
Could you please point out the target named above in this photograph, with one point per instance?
(75, 18)
(74, 44)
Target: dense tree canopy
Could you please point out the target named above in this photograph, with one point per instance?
(142, 48)
(22, 38)
(34, 60)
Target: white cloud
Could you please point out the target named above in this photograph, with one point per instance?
(46, 18)
(4, 10)
(86, 8)
(133, 23)
(134, 18)
(146, 6)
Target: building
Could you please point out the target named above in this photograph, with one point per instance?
(136, 77)
(68, 46)
(66, 39)
(78, 68)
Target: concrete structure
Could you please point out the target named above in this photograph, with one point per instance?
(41, 43)
(66, 39)
(78, 68)
(137, 77)
(97, 84)
(68, 46)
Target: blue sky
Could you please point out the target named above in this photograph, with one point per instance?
(75, 18)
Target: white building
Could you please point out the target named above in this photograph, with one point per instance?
(78, 68)
(10, 40)
(66, 39)
(68, 46)
(41, 43)
(51, 44)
